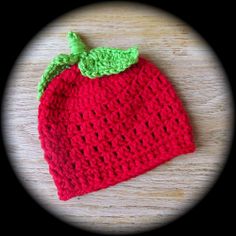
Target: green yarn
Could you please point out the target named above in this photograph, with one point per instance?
(95, 63)
(75, 43)
(106, 61)
(57, 65)
(62, 61)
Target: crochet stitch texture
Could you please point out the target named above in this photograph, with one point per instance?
(98, 132)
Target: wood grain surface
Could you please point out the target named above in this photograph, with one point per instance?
(164, 193)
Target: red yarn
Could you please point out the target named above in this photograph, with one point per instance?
(98, 132)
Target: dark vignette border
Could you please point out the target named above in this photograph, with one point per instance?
(21, 20)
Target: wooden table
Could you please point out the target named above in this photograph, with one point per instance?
(161, 195)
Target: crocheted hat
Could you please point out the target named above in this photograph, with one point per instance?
(107, 115)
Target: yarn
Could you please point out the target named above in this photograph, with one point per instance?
(76, 45)
(106, 61)
(58, 64)
(96, 133)
(95, 63)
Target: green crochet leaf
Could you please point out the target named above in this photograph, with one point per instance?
(95, 63)
(57, 65)
(106, 61)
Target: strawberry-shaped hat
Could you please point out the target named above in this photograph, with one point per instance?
(107, 115)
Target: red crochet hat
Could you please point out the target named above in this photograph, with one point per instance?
(107, 115)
